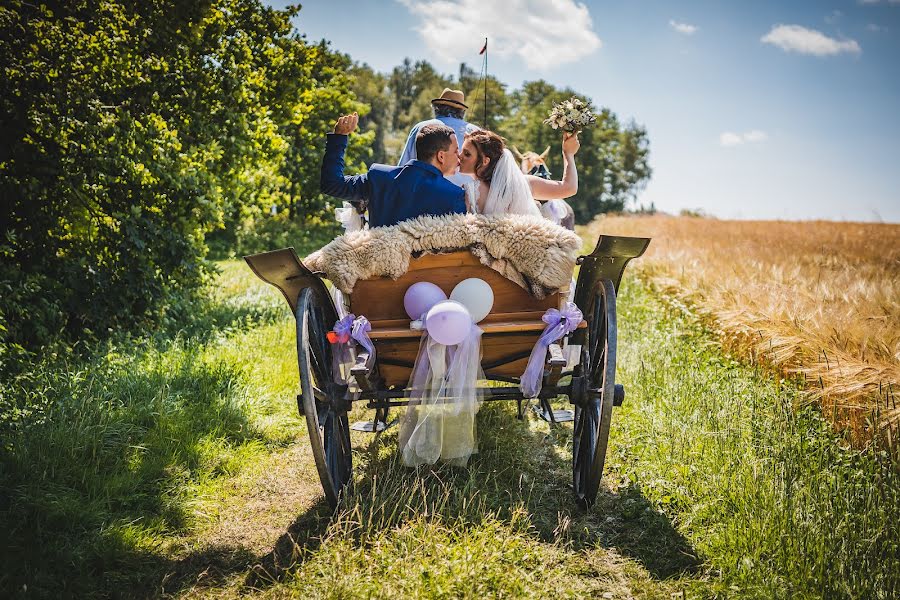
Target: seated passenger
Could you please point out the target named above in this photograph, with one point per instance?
(395, 194)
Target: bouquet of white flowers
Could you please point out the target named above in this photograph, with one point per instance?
(572, 115)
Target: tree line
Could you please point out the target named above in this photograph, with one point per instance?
(139, 134)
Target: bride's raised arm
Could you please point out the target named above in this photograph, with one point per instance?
(543, 189)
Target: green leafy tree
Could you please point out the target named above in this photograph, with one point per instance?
(136, 129)
(370, 88)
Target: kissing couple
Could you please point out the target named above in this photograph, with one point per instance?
(448, 166)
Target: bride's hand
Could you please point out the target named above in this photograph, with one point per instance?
(570, 143)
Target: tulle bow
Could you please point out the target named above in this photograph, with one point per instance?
(559, 323)
(342, 330)
(360, 333)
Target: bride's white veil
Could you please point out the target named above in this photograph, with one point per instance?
(510, 193)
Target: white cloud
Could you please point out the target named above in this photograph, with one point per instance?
(870, 2)
(730, 138)
(833, 17)
(755, 136)
(875, 28)
(794, 38)
(684, 28)
(543, 34)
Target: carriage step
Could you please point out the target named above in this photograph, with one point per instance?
(372, 426)
(562, 415)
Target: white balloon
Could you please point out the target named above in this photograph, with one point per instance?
(476, 295)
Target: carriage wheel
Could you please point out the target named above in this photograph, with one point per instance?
(322, 400)
(593, 414)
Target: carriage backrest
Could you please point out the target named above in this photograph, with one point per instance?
(381, 299)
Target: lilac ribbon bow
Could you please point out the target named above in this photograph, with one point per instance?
(556, 210)
(342, 358)
(342, 329)
(559, 323)
(360, 333)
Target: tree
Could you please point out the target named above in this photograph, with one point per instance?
(135, 130)
(370, 88)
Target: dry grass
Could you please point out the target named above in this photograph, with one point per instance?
(820, 299)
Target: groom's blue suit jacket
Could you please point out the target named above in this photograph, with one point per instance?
(394, 193)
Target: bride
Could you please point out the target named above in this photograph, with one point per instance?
(500, 187)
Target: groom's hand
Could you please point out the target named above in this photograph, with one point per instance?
(346, 124)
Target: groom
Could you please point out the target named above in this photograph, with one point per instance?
(395, 194)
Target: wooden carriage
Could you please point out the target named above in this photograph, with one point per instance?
(510, 332)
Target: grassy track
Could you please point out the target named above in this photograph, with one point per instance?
(179, 468)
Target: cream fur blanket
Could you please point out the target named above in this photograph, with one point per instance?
(531, 251)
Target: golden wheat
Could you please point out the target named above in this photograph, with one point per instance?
(817, 298)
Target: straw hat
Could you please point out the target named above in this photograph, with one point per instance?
(454, 98)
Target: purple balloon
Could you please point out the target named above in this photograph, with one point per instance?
(448, 322)
(420, 297)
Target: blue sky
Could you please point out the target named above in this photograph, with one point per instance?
(764, 110)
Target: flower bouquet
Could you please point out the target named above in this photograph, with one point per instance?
(572, 115)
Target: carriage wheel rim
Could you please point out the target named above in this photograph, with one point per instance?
(330, 459)
(587, 460)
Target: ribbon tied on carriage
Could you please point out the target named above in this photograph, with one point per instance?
(347, 328)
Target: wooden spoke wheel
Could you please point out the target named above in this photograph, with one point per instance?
(322, 400)
(593, 412)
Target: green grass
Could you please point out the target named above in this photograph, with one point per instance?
(176, 464)
(760, 484)
(113, 455)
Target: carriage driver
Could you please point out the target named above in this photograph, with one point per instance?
(396, 194)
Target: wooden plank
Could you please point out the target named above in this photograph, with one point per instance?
(394, 375)
(382, 298)
(488, 328)
(492, 349)
(511, 329)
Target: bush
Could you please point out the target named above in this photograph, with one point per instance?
(134, 131)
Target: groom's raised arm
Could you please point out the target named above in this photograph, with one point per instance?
(332, 180)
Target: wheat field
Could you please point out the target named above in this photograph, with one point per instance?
(817, 299)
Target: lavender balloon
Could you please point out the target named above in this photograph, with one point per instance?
(420, 297)
(448, 322)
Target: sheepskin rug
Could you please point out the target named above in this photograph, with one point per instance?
(533, 252)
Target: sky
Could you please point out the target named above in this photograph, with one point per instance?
(754, 110)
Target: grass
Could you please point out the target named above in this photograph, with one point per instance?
(176, 466)
(765, 491)
(121, 453)
(812, 298)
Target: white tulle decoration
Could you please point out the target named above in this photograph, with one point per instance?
(444, 398)
(348, 217)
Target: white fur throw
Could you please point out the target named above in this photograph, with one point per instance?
(533, 252)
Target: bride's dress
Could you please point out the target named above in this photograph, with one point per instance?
(509, 192)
